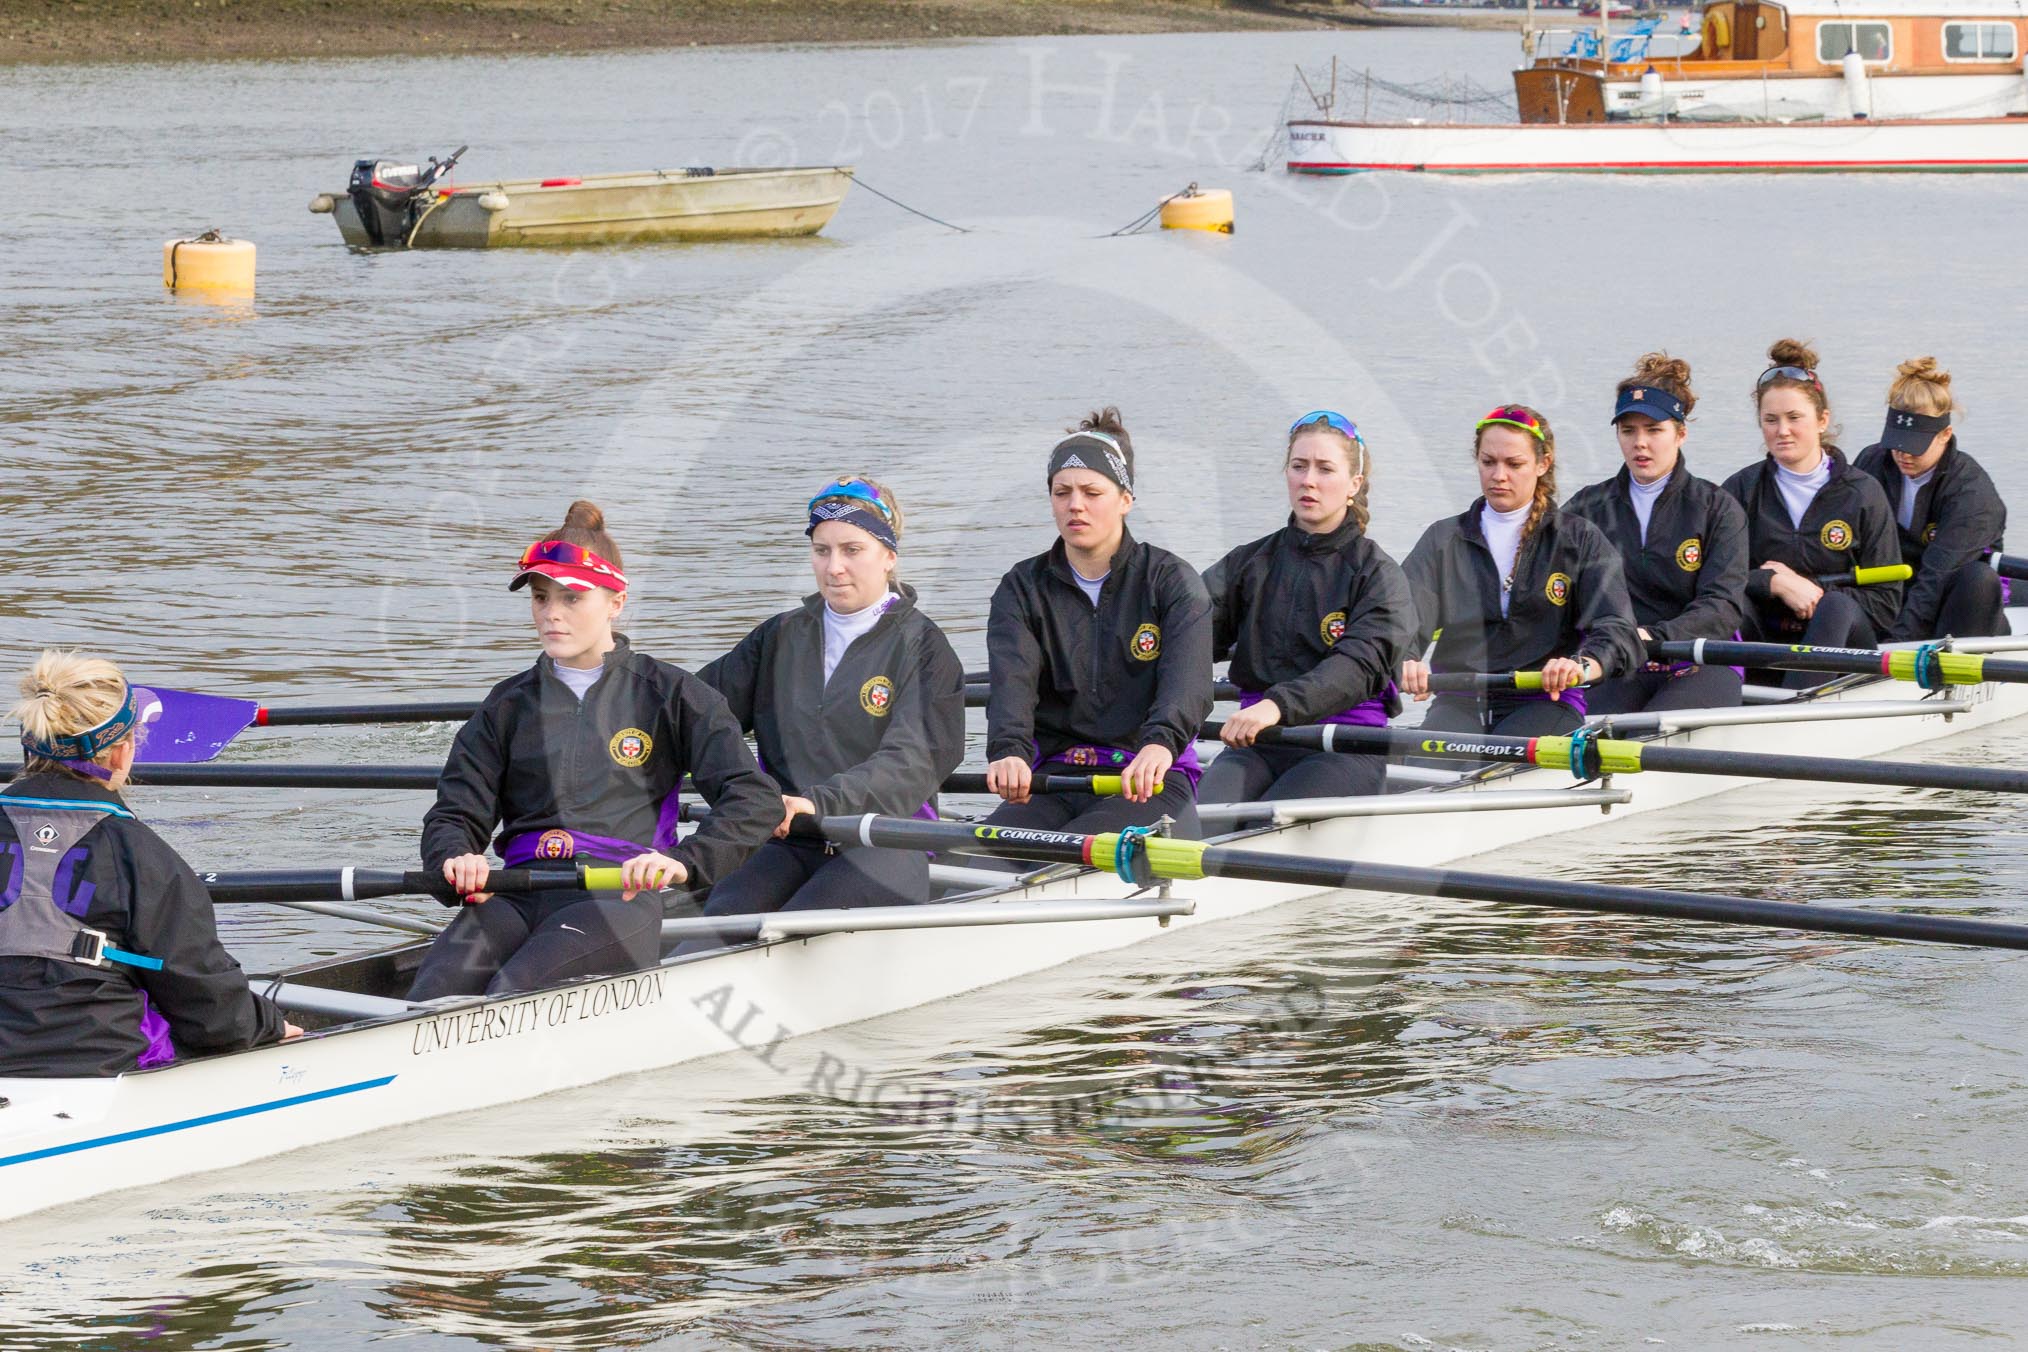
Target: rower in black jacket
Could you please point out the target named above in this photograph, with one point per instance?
(1810, 514)
(857, 703)
(1101, 656)
(1681, 542)
(580, 758)
(1948, 514)
(1513, 584)
(1316, 619)
(109, 951)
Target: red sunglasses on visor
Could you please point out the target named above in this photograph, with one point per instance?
(572, 565)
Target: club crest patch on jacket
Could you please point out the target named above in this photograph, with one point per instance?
(630, 747)
(1557, 588)
(1835, 535)
(876, 697)
(1333, 627)
(1690, 555)
(1147, 643)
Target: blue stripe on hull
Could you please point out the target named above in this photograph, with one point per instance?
(187, 1123)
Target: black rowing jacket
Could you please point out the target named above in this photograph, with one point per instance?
(1315, 623)
(1688, 579)
(1958, 516)
(1133, 671)
(1569, 598)
(61, 1018)
(879, 736)
(1849, 524)
(597, 779)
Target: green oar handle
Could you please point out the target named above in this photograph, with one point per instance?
(1874, 576)
(1190, 859)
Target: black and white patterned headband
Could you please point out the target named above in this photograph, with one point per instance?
(1094, 451)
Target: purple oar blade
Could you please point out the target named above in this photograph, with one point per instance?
(189, 727)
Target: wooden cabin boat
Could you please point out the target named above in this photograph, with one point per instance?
(1756, 86)
(401, 207)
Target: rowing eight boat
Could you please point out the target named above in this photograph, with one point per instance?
(372, 1060)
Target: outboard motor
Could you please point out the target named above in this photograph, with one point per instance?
(389, 196)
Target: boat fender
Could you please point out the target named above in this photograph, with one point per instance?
(1198, 208)
(208, 262)
(323, 204)
(1651, 90)
(492, 201)
(1857, 88)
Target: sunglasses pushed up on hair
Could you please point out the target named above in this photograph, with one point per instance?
(1512, 415)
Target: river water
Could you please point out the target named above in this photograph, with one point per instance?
(1348, 1123)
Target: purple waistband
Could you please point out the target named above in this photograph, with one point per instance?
(1113, 758)
(535, 847)
(1370, 713)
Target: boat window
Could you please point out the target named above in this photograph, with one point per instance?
(1978, 42)
(1873, 41)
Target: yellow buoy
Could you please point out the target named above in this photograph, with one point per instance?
(1198, 208)
(208, 262)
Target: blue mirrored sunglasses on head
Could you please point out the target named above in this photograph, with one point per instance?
(853, 488)
(1337, 422)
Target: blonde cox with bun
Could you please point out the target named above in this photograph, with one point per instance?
(1922, 386)
(65, 693)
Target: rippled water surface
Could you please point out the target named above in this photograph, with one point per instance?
(1353, 1122)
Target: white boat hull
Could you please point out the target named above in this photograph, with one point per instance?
(1979, 145)
(62, 1141)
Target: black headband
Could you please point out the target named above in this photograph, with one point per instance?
(1094, 451)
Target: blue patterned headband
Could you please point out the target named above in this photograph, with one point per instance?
(856, 503)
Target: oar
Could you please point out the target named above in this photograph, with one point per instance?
(365, 884)
(1598, 756)
(255, 775)
(2007, 565)
(1903, 664)
(1146, 859)
(1877, 575)
(1486, 682)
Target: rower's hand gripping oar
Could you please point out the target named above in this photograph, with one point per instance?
(1929, 665)
(1143, 859)
(367, 884)
(1589, 756)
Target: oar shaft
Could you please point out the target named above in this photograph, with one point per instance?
(1483, 682)
(318, 715)
(366, 884)
(1187, 859)
(1623, 757)
(1902, 664)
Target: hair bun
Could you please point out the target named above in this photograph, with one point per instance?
(1923, 368)
(584, 515)
(1659, 368)
(1792, 352)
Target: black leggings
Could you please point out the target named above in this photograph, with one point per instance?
(1973, 604)
(1260, 774)
(1697, 688)
(515, 942)
(1837, 623)
(1090, 814)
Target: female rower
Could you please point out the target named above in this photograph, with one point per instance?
(579, 758)
(1811, 519)
(858, 705)
(1950, 515)
(1316, 619)
(109, 952)
(1101, 655)
(1513, 584)
(1681, 541)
